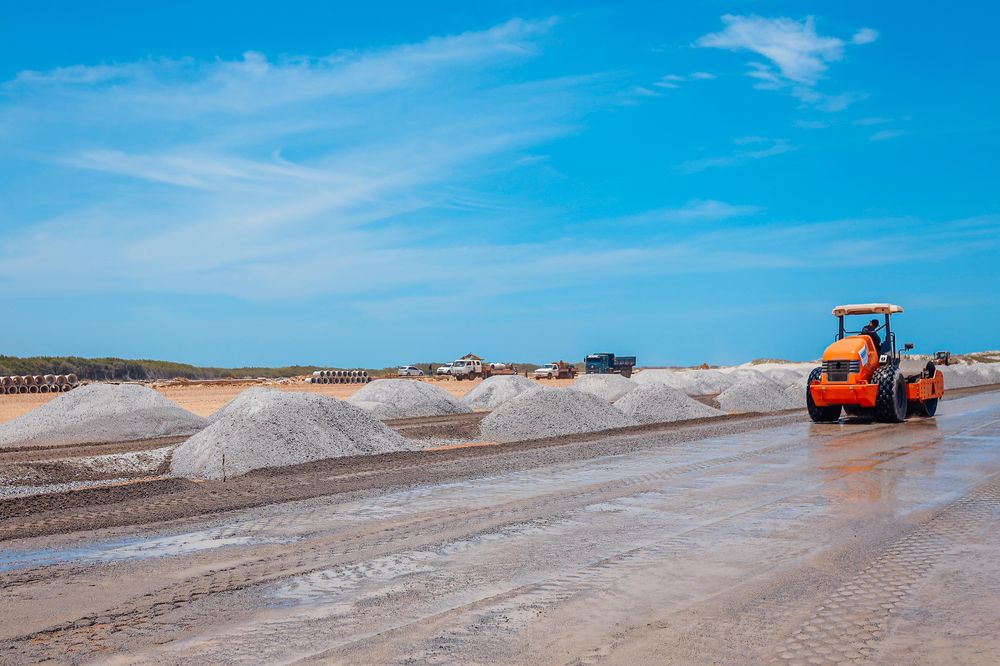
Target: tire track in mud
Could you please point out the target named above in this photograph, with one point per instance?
(92, 509)
(88, 633)
(849, 625)
(345, 548)
(500, 622)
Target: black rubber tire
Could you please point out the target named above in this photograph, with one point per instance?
(926, 408)
(816, 413)
(890, 403)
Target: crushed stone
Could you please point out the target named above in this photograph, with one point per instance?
(272, 428)
(756, 397)
(550, 412)
(99, 413)
(494, 391)
(406, 398)
(606, 387)
(659, 403)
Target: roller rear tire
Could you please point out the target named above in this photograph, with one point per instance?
(816, 413)
(890, 403)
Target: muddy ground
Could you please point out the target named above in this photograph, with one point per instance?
(741, 539)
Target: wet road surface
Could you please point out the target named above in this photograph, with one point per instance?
(800, 543)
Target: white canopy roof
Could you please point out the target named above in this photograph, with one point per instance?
(866, 308)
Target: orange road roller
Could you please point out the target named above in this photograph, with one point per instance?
(864, 376)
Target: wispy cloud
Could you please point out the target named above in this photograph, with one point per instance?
(259, 178)
(884, 135)
(865, 36)
(797, 57)
(675, 80)
(740, 157)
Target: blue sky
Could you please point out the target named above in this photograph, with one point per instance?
(269, 183)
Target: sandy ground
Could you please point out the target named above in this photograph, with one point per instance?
(205, 398)
(740, 540)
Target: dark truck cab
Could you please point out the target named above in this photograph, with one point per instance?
(604, 363)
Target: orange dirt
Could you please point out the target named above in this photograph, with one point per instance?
(204, 398)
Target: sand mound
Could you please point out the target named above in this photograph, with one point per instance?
(756, 397)
(270, 428)
(406, 398)
(494, 391)
(100, 413)
(549, 412)
(659, 403)
(606, 387)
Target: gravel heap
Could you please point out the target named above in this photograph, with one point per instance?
(271, 428)
(751, 376)
(227, 408)
(785, 376)
(678, 379)
(99, 413)
(797, 392)
(659, 403)
(406, 398)
(550, 412)
(975, 374)
(606, 387)
(494, 391)
(691, 382)
(757, 397)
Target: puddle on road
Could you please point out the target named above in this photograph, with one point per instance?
(128, 549)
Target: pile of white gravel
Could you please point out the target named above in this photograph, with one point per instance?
(99, 413)
(271, 428)
(974, 374)
(606, 387)
(797, 392)
(691, 382)
(659, 403)
(494, 391)
(550, 412)
(406, 398)
(757, 397)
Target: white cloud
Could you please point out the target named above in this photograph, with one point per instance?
(871, 121)
(800, 54)
(865, 36)
(702, 75)
(740, 157)
(797, 57)
(885, 135)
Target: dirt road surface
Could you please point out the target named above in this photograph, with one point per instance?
(767, 539)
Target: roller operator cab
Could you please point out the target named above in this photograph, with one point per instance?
(863, 375)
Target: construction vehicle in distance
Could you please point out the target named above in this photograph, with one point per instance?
(864, 375)
(556, 370)
(471, 366)
(605, 363)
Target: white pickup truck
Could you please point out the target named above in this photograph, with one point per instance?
(468, 369)
(556, 370)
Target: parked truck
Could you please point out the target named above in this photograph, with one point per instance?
(556, 370)
(471, 366)
(606, 363)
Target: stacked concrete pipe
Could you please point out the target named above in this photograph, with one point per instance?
(49, 383)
